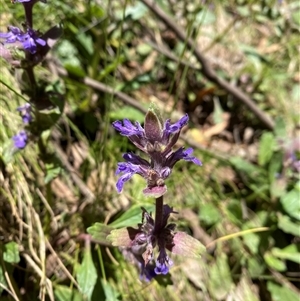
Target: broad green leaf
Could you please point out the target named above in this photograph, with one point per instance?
(131, 217)
(11, 252)
(266, 148)
(64, 293)
(274, 263)
(99, 232)
(291, 252)
(110, 292)
(291, 203)
(281, 293)
(252, 241)
(288, 226)
(220, 281)
(86, 274)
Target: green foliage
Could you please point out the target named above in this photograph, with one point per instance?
(86, 275)
(63, 183)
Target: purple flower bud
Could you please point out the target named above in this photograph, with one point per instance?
(20, 140)
(25, 111)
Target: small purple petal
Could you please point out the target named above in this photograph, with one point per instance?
(129, 170)
(183, 154)
(20, 140)
(121, 181)
(134, 159)
(177, 126)
(161, 268)
(128, 129)
(163, 263)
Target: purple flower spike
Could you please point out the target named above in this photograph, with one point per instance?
(25, 111)
(20, 140)
(156, 139)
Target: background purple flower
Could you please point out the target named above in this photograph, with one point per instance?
(30, 39)
(25, 111)
(20, 140)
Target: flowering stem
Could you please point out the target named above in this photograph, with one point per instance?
(159, 213)
(28, 12)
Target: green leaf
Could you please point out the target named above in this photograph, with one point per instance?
(256, 173)
(137, 11)
(110, 292)
(280, 128)
(52, 172)
(288, 226)
(266, 148)
(291, 204)
(255, 266)
(274, 263)
(87, 274)
(280, 292)
(220, 281)
(99, 232)
(64, 293)
(11, 252)
(291, 252)
(209, 214)
(2, 281)
(131, 217)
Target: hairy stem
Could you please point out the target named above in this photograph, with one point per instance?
(159, 213)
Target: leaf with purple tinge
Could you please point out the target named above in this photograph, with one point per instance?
(122, 237)
(186, 245)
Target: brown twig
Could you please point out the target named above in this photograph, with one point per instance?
(206, 68)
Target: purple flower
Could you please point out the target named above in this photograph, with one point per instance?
(30, 39)
(141, 243)
(15, 34)
(156, 139)
(20, 140)
(25, 111)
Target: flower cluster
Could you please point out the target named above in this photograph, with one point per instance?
(156, 140)
(30, 40)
